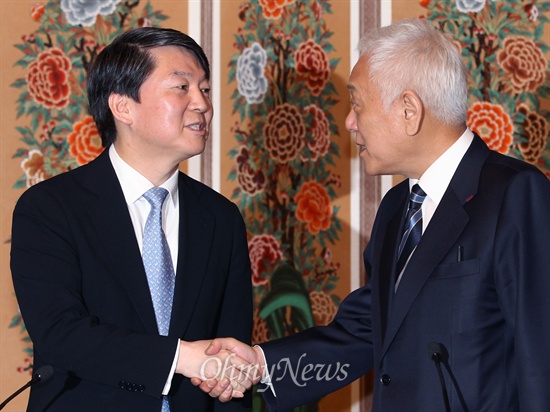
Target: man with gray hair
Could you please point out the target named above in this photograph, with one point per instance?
(458, 268)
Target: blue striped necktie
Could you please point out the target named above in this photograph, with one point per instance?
(413, 227)
(158, 265)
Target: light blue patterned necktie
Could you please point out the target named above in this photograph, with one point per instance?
(158, 265)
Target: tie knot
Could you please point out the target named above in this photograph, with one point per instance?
(417, 194)
(156, 195)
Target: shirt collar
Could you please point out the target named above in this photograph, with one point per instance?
(437, 177)
(134, 184)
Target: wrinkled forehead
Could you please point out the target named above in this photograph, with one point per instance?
(360, 75)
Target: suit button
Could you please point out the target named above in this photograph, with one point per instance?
(385, 379)
(129, 386)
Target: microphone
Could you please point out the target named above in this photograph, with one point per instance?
(41, 375)
(435, 353)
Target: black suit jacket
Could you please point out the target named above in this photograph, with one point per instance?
(488, 310)
(84, 297)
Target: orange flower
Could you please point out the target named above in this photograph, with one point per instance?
(48, 79)
(313, 207)
(84, 141)
(273, 9)
(492, 124)
(424, 3)
(37, 11)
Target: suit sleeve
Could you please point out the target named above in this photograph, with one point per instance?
(320, 360)
(47, 273)
(522, 271)
(236, 314)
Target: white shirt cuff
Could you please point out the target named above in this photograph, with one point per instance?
(168, 384)
(266, 377)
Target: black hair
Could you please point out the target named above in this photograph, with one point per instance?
(124, 65)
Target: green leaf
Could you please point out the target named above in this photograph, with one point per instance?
(287, 290)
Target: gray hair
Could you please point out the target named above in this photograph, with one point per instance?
(413, 55)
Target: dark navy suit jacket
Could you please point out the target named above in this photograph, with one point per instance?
(84, 297)
(489, 309)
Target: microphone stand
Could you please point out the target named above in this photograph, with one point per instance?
(17, 392)
(42, 374)
(434, 350)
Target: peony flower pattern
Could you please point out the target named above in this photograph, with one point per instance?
(48, 79)
(252, 83)
(33, 166)
(265, 252)
(85, 12)
(251, 181)
(53, 89)
(318, 136)
(535, 130)
(323, 307)
(523, 62)
(313, 207)
(84, 141)
(504, 47)
(37, 11)
(313, 64)
(470, 6)
(284, 133)
(492, 124)
(273, 9)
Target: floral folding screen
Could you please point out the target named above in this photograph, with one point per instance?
(60, 135)
(288, 134)
(281, 73)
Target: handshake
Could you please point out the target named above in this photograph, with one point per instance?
(225, 368)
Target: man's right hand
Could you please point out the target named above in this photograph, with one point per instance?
(248, 364)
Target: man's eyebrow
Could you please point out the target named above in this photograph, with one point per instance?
(351, 87)
(188, 75)
(181, 73)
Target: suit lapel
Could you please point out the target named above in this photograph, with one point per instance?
(116, 234)
(195, 242)
(441, 234)
(388, 261)
(444, 229)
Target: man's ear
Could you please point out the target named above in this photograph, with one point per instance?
(412, 112)
(120, 108)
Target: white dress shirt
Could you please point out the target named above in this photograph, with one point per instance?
(436, 179)
(134, 185)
